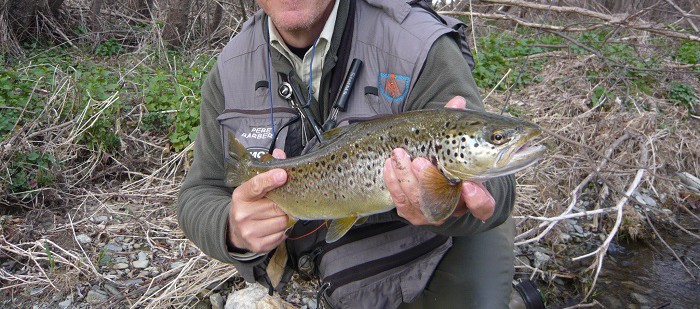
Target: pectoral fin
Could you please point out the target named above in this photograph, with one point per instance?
(338, 228)
(439, 196)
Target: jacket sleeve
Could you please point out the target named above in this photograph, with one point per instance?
(445, 75)
(203, 202)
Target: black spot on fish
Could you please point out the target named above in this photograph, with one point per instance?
(454, 142)
(351, 182)
(447, 124)
(405, 141)
(369, 148)
(381, 138)
(461, 155)
(345, 155)
(475, 123)
(464, 139)
(476, 145)
(422, 148)
(340, 170)
(449, 152)
(417, 131)
(333, 157)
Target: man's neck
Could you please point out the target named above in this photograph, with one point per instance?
(303, 38)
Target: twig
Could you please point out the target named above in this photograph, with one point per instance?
(685, 15)
(569, 216)
(619, 19)
(646, 214)
(497, 84)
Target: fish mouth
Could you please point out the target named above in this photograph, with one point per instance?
(514, 159)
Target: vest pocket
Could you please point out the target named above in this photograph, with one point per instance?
(381, 271)
(256, 129)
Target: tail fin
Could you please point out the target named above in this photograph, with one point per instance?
(237, 162)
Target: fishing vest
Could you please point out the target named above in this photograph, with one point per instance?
(393, 39)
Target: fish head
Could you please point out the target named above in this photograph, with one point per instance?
(481, 146)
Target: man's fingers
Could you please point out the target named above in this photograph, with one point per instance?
(479, 201)
(457, 102)
(392, 184)
(269, 242)
(279, 154)
(258, 186)
(402, 167)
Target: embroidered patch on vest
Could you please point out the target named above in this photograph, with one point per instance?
(393, 87)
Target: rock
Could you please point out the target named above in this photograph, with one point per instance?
(254, 296)
(95, 297)
(690, 181)
(112, 289)
(66, 303)
(636, 287)
(83, 239)
(309, 303)
(99, 219)
(120, 266)
(564, 237)
(142, 262)
(217, 302)
(645, 200)
(113, 247)
(132, 282)
(639, 298)
(541, 259)
(121, 259)
(143, 256)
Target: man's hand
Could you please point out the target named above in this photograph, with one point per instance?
(255, 223)
(401, 176)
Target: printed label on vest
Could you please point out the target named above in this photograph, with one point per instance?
(257, 152)
(258, 133)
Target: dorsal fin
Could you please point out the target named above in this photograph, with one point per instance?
(335, 133)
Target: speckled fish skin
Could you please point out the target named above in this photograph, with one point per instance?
(343, 177)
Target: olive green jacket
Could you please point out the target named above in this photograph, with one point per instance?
(204, 200)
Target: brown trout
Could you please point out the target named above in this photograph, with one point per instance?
(342, 179)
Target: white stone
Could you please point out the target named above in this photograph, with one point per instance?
(255, 296)
(83, 239)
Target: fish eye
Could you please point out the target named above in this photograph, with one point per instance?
(498, 137)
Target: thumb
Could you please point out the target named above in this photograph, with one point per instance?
(258, 186)
(279, 154)
(457, 102)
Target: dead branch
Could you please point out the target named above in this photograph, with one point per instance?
(646, 214)
(685, 14)
(622, 20)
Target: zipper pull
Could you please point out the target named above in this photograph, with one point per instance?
(322, 293)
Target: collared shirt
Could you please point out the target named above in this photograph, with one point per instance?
(317, 53)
